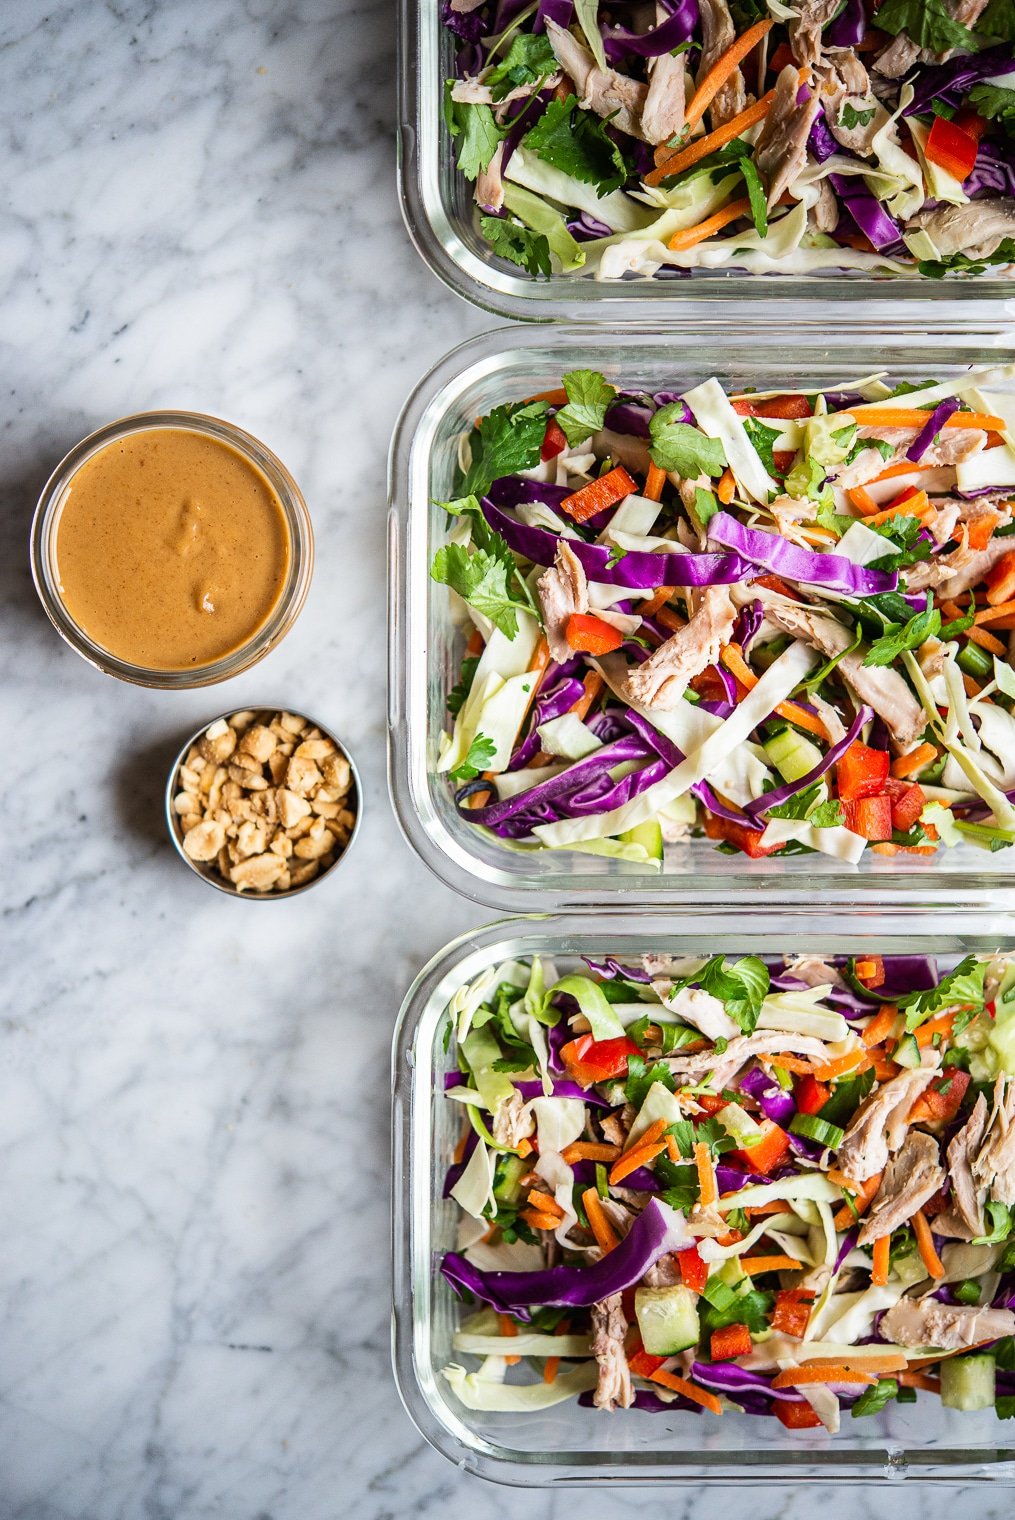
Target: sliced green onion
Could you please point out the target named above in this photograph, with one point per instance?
(976, 662)
(967, 1292)
(819, 1130)
(602, 1181)
(718, 1293)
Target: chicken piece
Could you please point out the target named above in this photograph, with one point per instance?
(879, 686)
(958, 571)
(825, 211)
(964, 1219)
(724, 1067)
(623, 448)
(718, 32)
(664, 1273)
(814, 972)
(949, 1327)
(976, 229)
(790, 511)
(995, 1164)
(699, 1009)
(562, 591)
(898, 57)
(608, 1330)
(663, 112)
(911, 1178)
(781, 149)
(950, 512)
(843, 81)
(614, 1129)
(604, 91)
(489, 190)
(805, 32)
(661, 681)
(880, 1124)
(513, 1121)
(950, 447)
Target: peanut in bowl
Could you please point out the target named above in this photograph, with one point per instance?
(263, 803)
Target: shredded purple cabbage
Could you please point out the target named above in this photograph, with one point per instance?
(794, 563)
(935, 422)
(848, 28)
(834, 752)
(867, 212)
(621, 43)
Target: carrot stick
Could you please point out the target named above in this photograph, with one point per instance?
(539, 1221)
(655, 480)
(589, 1150)
(669, 619)
(700, 233)
(859, 1204)
(552, 398)
(757, 1209)
(881, 1025)
(754, 1264)
(909, 765)
(862, 500)
(917, 505)
(672, 1150)
(879, 1266)
(773, 583)
(656, 601)
(508, 1327)
(550, 1369)
(689, 1390)
(702, 146)
(906, 417)
(600, 1226)
(648, 1136)
(708, 1191)
(639, 1155)
(605, 491)
(986, 640)
(991, 614)
(841, 1180)
(904, 467)
(545, 1204)
(721, 71)
(795, 1064)
(925, 1242)
(733, 659)
(894, 1362)
(942, 1026)
(919, 1380)
(727, 485)
(854, 1063)
(832, 1372)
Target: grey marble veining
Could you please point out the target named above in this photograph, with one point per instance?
(200, 211)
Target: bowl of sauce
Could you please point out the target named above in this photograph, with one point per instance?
(172, 549)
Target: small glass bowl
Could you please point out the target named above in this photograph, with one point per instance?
(286, 609)
(204, 869)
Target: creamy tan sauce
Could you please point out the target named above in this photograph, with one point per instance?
(171, 549)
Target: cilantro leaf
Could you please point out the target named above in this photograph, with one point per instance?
(874, 1398)
(884, 449)
(528, 59)
(827, 815)
(936, 269)
(458, 695)
(895, 640)
(517, 243)
(756, 194)
(481, 752)
(963, 985)
(681, 448)
(827, 517)
(796, 806)
(998, 21)
(960, 624)
(995, 102)
(763, 440)
(640, 1077)
(717, 164)
(576, 142)
(476, 126)
(506, 441)
(750, 1307)
(925, 22)
(481, 580)
(741, 986)
(851, 117)
(589, 395)
(705, 505)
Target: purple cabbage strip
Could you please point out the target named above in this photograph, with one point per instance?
(584, 227)
(745, 629)
(454, 1172)
(848, 28)
(629, 417)
(993, 173)
(621, 43)
(470, 26)
(512, 491)
(950, 81)
(575, 782)
(649, 1403)
(867, 211)
(609, 969)
(523, 115)
(556, 701)
(776, 1103)
(794, 563)
(559, 11)
(656, 1231)
(563, 1087)
(641, 1180)
(935, 422)
(729, 1375)
(821, 143)
(849, 1241)
(832, 754)
(557, 1035)
(730, 1179)
(705, 794)
(637, 569)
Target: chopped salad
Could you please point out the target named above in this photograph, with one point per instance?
(784, 620)
(716, 1184)
(654, 139)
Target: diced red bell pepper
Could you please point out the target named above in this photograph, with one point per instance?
(870, 969)
(951, 148)
(811, 1095)
(768, 1152)
(588, 1061)
(693, 1271)
(970, 121)
(775, 406)
(554, 441)
(729, 1342)
(591, 635)
(605, 491)
(908, 802)
(934, 1105)
(795, 1416)
(870, 817)
(642, 1363)
(783, 459)
(862, 772)
(710, 1102)
(737, 834)
(792, 1311)
(781, 55)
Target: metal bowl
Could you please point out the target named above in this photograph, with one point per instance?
(207, 871)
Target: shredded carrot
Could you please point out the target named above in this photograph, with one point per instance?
(795, 1064)
(475, 645)
(853, 1063)
(540, 1221)
(600, 1226)
(552, 398)
(909, 765)
(919, 1380)
(648, 1136)
(722, 69)
(732, 657)
(980, 532)
(655, 480)
(605, 491)
(640, 1156)
(970, 687)
(906, 417)
(862, 500)
(881, 1025)
(879, 1266)
(942, 1026)
(683, 158)
(757, 1209)
(688, 1389)
(550, 1369)
(986, 640)
(689, 236)
(589, 1150)
(524, 1147)
(864, 1193)
(861, 1362)
(831, 1372)
(917, 505)
(841, 1180)
(656, 601)
(545, 1204)
(670, 619)
(754, 1264)
(904, 467)
(593, 684)
(773, 583)
(925, 1242)
(991, 614)
(508, 1327)
(727, 485)
(672, 1149)
(707, 1188)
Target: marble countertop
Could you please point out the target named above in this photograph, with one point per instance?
(194, 1298)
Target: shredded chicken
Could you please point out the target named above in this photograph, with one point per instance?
(699, 1009)
(604, 91)
(958, 571)
(790, 511)
(976, 229)
(805, 31)
(995, 1164)
(898, 57)
(663, 113)
(928, 1322)
(825, 211)
(608, 1330)
(879, 1126)
(964, 1219)
(614, 1130)
(661, 681)
(562, 591)
(623, 448)
(513, 1121)
(911, 1178)
(724, 1067)
(718, 33)
(663, 1273)
(489, 190)
(781, 149)
(814, 971)
(950, 447)
(845, 82)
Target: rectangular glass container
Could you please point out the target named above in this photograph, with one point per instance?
(425, 647)
(567, 1444)
(441, 219)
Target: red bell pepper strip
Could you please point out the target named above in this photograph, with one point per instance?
(642, 1363)
(729, 1342)
(951, 148)
(862, 772)
(590, 635)
(589, 1061)
(783, 459)
(768, 1152)
(942, 1099)
(737, 834)
(693, 1271)
(908, 802)
(795, 1416)
(811, 1095)
(599, 494)
(554, 441)
(970, 121)
(870, 817)
(786, 407)
(792, 1311)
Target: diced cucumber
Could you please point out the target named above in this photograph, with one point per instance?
(792, 755)
(907, 1052)
(507, 1185)
(667, 1319)
(738, 1123)
(967, 1382)
(649, 835)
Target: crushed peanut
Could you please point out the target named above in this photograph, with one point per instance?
(266, 801)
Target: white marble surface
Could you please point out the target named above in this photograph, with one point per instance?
(200, 211)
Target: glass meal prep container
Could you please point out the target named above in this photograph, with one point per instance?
(426, 647)
(442, 221)
(568, 1444)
